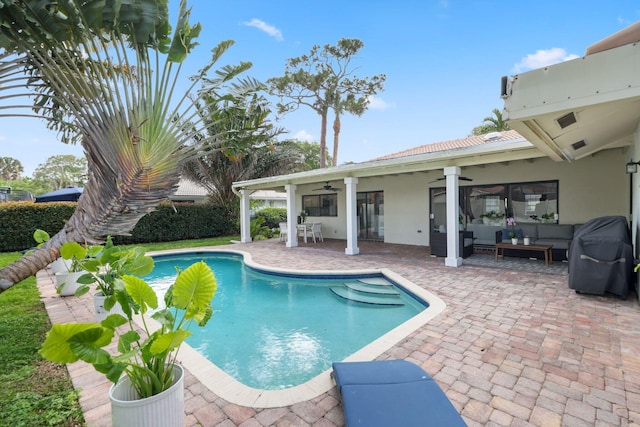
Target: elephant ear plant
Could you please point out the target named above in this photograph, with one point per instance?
(106, 265)
(147, 360)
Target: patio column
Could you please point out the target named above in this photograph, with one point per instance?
(352, 216)
(292, 218)
(245, 217)
(453, 258)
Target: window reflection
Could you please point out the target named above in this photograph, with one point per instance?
(529, 202)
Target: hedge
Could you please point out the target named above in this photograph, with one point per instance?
(273, 216)
(18, 221)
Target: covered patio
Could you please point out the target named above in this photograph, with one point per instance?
(511, 348)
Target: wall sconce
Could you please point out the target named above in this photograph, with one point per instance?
(632, 167)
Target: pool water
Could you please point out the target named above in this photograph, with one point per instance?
(273, 331)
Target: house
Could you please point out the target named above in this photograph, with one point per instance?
(402, 197)
(572, 156)
(189, 191)
(584, 109)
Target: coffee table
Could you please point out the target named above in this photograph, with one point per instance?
(546, 249)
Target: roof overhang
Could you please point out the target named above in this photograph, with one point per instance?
(519, 149)
(576, 108)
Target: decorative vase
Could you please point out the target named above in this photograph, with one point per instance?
(67, 282)
(165, 409)
(101, 313)
(514, 241)
(527, 241)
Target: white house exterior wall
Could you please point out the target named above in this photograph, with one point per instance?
(588, 188)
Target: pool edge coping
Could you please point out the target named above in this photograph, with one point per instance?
(228, 388)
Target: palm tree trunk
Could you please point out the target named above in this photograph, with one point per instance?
(323, 139)
(336, 139)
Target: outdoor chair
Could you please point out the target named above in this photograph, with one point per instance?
(316, 230)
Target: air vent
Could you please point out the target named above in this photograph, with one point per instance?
(578, 145)
(567, 120)
(491, 136)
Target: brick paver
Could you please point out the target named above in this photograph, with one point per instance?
(513, 347)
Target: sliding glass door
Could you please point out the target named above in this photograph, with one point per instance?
(371, 215)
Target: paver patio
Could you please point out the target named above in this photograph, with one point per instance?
(513, 347)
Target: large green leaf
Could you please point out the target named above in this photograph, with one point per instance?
(141, 293)
(56, 346)
(194, 289)
(169, 341)
(73, 250)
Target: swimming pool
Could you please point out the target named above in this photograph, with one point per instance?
(286, 348)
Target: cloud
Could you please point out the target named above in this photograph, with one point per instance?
(263, 26)
(376, 103)
(304, 136)
(542, 58)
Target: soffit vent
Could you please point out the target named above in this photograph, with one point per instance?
(567, 120)
(578, 145)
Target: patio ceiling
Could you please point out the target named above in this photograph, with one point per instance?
(579, 107)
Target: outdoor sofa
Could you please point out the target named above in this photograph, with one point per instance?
(557, 235)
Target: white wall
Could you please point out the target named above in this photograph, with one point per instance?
(588, 188)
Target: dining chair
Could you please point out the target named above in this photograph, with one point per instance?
(316, 230)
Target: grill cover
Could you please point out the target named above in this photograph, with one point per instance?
(601, 257)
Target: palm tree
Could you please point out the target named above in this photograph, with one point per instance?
(246, 147)
(103, 74)
(493, 123)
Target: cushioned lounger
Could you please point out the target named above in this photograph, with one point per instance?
(392, 393)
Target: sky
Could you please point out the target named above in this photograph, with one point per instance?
(443, 60)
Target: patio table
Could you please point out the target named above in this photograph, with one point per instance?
(546, 249)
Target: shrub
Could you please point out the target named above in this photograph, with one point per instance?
(272, 216)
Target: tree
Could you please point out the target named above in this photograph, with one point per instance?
(491, 124)
(62, 171)
(103, 74)
(246, 147)
(323, 80)
(310, 152)
(10, 168)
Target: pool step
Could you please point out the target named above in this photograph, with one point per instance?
(378, 281)
(372, 289)
(367, 298)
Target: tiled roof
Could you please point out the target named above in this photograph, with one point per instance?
(455, 144)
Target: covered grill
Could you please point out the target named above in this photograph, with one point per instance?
(601, 257)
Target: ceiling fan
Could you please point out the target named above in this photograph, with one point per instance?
(460, 178)
(327, 187)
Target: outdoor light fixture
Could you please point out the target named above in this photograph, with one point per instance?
(632, 167)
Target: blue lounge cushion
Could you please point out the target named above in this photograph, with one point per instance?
(506, 231)
(392, 393)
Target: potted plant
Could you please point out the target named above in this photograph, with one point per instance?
(492, 218)
(144, 371)
(104, 266)
(68, 281)
(511, 222)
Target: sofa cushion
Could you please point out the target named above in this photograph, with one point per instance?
(555, 231)
(506, 235)
(530, 230)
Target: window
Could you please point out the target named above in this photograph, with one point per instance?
(528, 202)
(321, 205)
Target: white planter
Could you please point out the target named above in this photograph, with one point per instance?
(162, 410)
(527, 241)
(101, 313)
(59, 265)
(67, 283)
(514, 241)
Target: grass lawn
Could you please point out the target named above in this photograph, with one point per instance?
(36, 392)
